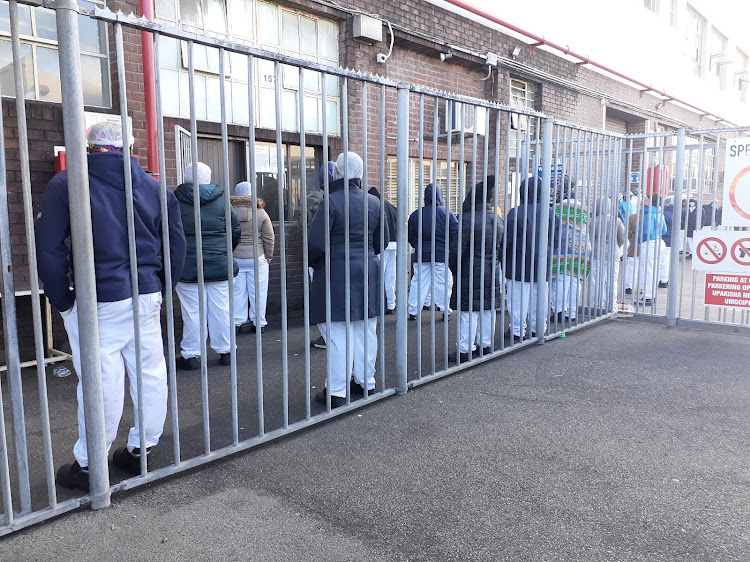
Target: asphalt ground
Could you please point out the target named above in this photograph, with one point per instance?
(623, 442)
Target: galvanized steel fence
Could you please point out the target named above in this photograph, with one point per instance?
(556, 183)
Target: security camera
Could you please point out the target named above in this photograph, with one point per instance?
(380, 58)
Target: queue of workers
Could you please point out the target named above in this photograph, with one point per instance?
(581, 250)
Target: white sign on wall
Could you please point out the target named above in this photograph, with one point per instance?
(736, 211)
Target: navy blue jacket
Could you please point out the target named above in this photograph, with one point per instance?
(522, 226)
(359, 259)
(440, 214)
(110, 232)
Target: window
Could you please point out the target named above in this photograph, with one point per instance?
(651, 5)
(695, 32)
(522, 94)
(40, 65)
(742, 76)
(718, 59)
(260, 24)
(673, 13)
(452, 199)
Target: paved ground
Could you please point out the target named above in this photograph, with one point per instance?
(623, 442)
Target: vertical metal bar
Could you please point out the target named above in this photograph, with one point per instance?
(433, 231)
(366, 246)
(542, 301)
(402, 152)
(280, 163)
(472, 257)
(347, 232)
(495, 264)
(305, 257)
(23, 150)
(417, 268)
(393, 235)
(199, 249)
(229, 246)
(483, 243)
(535, 162)
(82, 248)
(327, 228)
(504, 267)
(254, 210)
(166, 252)
(674, 257)
(460, 192)
(132, 257)
(446, 246)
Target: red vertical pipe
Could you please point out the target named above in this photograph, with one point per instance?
(149, 89)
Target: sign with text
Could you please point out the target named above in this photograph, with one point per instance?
(721, 251)
(727, 291)
(736, 211)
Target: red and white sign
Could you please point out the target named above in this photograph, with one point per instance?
(736, 201)
(722, 251)
(727, 291)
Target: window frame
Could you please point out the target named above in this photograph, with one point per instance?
(525, 126)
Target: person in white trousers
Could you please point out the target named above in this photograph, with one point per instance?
(114, 294)
(627, 208)
(388, 255)
(650, 246)
(247, 259)
(217, 320)
(605, 230)
(363, 319)
(429, 269)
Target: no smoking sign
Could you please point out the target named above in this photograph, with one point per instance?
(736, 200)
(722, 252)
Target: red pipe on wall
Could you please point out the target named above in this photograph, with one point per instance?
(584, 59)
(149, 89)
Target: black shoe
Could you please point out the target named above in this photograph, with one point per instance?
(628, 291)
(253, 329)
(482, 351)
(557, 318)
(320, 343)
(357, 391)
(336, 401)
(225, 359)
(412, 317)
(663, 284)
(73, 477)
(189, 364)
(426, 307)
(127, 461)
(509, 339)
(237, 330)
(389, 312)
(444, 317)
(453, 357)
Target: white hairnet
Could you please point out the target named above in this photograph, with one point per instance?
(243, 188)
(354, 162)
(204, 173)
(106, 133)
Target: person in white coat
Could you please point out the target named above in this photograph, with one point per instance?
(248, 256)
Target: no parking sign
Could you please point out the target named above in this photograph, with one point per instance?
(736, 200)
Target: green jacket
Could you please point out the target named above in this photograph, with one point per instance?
(213, 233)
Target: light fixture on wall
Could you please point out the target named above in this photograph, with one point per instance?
(659, 105)
(515, 51)
(445, 56)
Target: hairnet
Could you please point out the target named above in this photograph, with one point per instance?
(243, 188)
(106, 133)
(204, 173)
(354, 162)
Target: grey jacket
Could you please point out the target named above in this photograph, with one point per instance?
(245, 250)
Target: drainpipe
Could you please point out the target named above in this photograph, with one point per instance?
(149, 89)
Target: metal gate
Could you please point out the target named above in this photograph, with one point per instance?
(532, 253)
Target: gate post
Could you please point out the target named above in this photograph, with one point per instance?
(542, 299)
(402, 244)
(674, 256)
(82, 248)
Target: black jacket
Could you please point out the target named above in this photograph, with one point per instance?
(439, 214)
(389, 213)
(522, 226)
(359, 259)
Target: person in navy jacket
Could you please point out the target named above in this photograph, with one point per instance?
(114, 291)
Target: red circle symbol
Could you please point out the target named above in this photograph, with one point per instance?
(741, 251)
(733, 193)
(712, 255)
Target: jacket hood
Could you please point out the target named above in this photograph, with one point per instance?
(602, 206)
(242, 200)
(565, 191)
(533, 187)
(374, 191)
(478, 195)
(207, 191)
(427, 201)
(108, 167)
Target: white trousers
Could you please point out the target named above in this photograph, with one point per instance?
(602, 288)
(117, 348)
(341, 372)
(522, 302)
(217, 319)
(664, 263)
(648, 254)
(477, 330)
(425, 272)
(565, 289)
(630, 263)
(244, 291)
(389, 275)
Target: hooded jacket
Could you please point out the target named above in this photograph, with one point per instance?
(522, 226)
(389, 212)
(359, 258)
(110, 233)
(213, 232)
(600, 229)
(245, 250)
(439, 215)
(481, 249)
